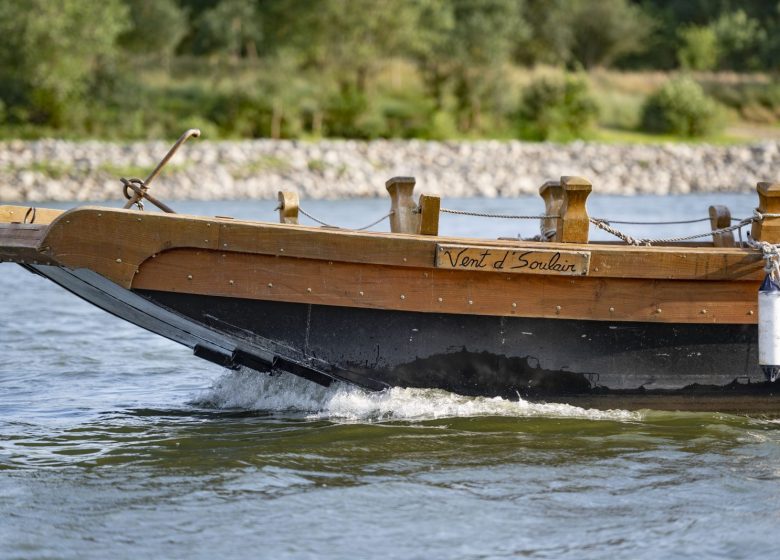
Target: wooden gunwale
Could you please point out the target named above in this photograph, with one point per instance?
(118, 241)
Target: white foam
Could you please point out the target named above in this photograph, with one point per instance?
(248, 390)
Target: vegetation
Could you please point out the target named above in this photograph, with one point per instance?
(538, 69)
(681, 107)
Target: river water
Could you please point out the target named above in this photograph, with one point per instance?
(116, 443)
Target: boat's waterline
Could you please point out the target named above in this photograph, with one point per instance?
(282, 393)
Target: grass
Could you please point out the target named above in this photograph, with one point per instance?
(621, 136)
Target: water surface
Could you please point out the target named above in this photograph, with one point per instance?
(114, 442)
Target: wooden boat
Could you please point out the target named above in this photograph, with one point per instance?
(670, 325)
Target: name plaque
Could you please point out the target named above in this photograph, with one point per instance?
(512, 260)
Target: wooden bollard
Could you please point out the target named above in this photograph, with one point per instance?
(574, 224)
(767, 229)
(720, 217)
(552, 194)
(404, 217)
(429, 207)
(288, 207)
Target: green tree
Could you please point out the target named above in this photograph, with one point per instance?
(699, 49)
(681, 107)
(465, 46)
(604, 30)
(741, 40)
(231, 27)
(50, 52)
(550, 35)
(556, 109)
(157, 27)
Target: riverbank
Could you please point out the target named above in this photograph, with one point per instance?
(60, 170)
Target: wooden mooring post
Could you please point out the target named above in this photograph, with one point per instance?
(767, 229)
(408, 217)
(288, 207)
(566, 198)
(720, 217)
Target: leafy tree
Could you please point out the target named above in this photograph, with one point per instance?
(556, 109)
(604, 30)
(157, 27)
(50, 51)
(550, 35)
(231, 27)
(465, 46)
(740, 40)
(699, 50)
(681, 107)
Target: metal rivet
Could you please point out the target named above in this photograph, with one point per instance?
(189, 277)
(99, 214)
(281, 250)
(514, 304)
(231, 282)
(404, 259)
(270, 285)
(471, 302)
(308, 290)
(703, 311)
(208, 225)
(403, 296)
(611, 309)
(140, 220)
(658, 310)
(440, 300)
(750, 312)
(557, 308)
(119, 260)
(205, 240)
(224, 244)
(361, 293)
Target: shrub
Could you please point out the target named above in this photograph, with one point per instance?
(682, 108)
(556, 109)
(699, 50)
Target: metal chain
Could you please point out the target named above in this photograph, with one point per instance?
(372, 224)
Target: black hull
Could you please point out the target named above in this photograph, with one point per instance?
(605, 364)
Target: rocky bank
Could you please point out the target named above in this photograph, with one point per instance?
(62, 170)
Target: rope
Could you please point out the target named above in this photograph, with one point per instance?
(771, 254)
(601, 224)
(607, 221)
(372, 224)
(502, 216)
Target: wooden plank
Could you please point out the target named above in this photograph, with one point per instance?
(19, 243)
(511, 260)
(32, 214)
(118, 241)
(266, 277)
(430, 207)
